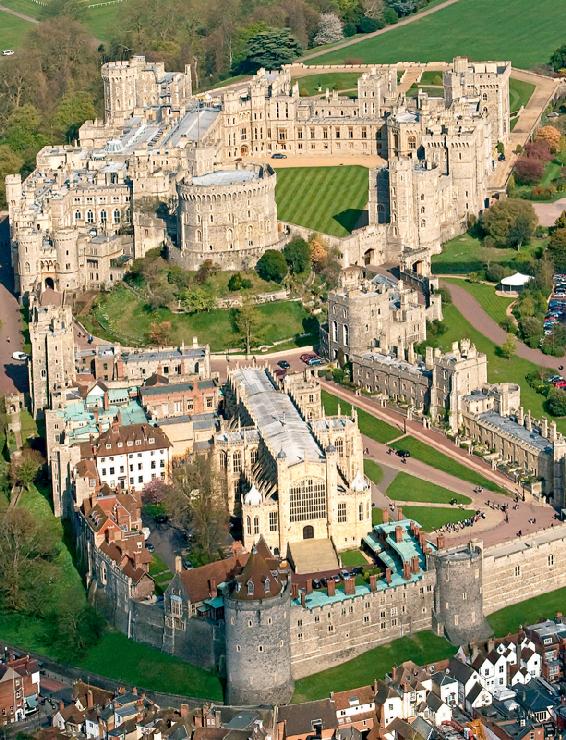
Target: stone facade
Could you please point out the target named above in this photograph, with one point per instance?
(162, 170)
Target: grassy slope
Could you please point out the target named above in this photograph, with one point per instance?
(519, 30)
(369, 425)
(405, 487)
(494, 305)
(545, 606)
(431, 519)
(330, 200)
(12, 30)
(422, 648)
(439, 460)
(121, 316)
(465, 254)
(519, 94)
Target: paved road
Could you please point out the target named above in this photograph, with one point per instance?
(13, 375)
(482, 321)
(381, 31)
(547, 213)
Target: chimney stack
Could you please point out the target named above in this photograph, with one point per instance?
(178, 564)
(406, 570)
(388, 575)
(373, 583)
(309, 585)
(386, 516)
(294, 590)
(415, 565)
(350, 586)
(330, 587)
(398, 534)
(440, 543)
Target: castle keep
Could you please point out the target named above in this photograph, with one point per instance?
(166, 168)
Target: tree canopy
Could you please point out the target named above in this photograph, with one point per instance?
(510, 223)
(272, 266)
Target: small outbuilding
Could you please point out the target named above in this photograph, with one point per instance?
(514, 283)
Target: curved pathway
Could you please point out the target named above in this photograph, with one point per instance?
(23, 16)
(380, 32)
(473, 312)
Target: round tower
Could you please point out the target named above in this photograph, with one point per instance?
(458, 594)
(66, 248)
(258, 641)
(13, 190)
(26, 266)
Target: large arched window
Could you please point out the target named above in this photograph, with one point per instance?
(346, 333)
(103, 216)
(89, 217)
(249, 524)
(77, 215)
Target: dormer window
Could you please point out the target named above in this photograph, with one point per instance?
(120, 444)
(130, 443)
(250, 588)
(108, 446)
(151, 441)
(138, 441)
(267, 585)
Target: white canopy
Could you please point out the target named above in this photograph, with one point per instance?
(517, 279)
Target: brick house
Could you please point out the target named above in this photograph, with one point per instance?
(19, 687)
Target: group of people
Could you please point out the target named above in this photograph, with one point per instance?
(457, 526)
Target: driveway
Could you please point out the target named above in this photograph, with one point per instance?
(547, 213)
(13, 375)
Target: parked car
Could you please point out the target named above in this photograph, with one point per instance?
(284, 365)
(150, 546)
(21, 356)
(8, 52)
(403, 453)
(278, 155)
(314, 361)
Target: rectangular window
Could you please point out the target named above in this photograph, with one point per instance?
(273, 523)
(308, 500)
(341, 513)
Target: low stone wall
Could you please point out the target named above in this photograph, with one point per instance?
(526, 567)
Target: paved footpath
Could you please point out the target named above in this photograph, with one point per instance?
(472, 311)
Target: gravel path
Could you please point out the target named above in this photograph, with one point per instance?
(482, 321)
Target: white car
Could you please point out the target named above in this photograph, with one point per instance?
(19, 356)
(7, 52)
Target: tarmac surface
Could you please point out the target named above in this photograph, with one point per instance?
(13, 375)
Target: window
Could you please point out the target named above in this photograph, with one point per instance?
(308, 500)
(89, 217)
(116, 216)
(237, 462)
(361, 512)
(550, 560)
(249, 525)
(103, 216)
(517, 571)
(341, 513)
(250, 588)
(273, 523)
(176, 606)
(256, 525)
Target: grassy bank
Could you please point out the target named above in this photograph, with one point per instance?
(432, 519)
(374, 428)
(537, 609)
(405, 487)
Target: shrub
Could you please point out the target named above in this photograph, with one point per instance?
(538, 150)
(529, 170)
(368, 25)
(555, 403)
(495, 272)
(390, 16)
(350, 29)
(542, 193)
(235, 282)
(272, 266)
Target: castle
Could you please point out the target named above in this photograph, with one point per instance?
(168, 168)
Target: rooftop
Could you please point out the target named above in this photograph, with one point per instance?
(224, 177)
(509, 426)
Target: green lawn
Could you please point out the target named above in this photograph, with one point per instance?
(439, 460)
(12, 30)
(431, 519)
(405, 487)
(422, 648)
(494, 305)
(122, 316)
(309, 84)
(373, 471)
(519, 94)
(378, 430)
(330, 200)
(101, 22)
(352, 558)
(28, 7)
(537, 609)
(376, 516)
(499, 369)
(465, 254)
(519, 30)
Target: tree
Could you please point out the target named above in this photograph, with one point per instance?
(528, 170)
(155, 491)
(373, 8)
(272, 266)
(369, 25)
(557, 248)
(196, 504)
(196, 300)
(329, 29)
(26, 552)
(332, 267)
(160, 332)
(70, 8)
(319, 251)
(551, 136)
(10, 163)
(538, 149)
(73, 110)
(22, 133)
(24, 469)
(508, 347)
(75, 630)
(531, 330)
(558, 58)
(206, 271)
(560, 223)
(247, 322)
(297, 254)
(270, 48)
(509, 219)
(238, 282)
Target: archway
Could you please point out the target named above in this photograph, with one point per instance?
(308, 532)
(49, 283)
(244, 151)
(368, 256)
(418, 267)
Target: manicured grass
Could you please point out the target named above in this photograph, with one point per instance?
(373, 471)
(432, 91)
(519, 94)
(519, 30)
(143, 666)
(439, 460)
(499, 369)
(378, 430)
(422, 648)
(431, 519)
(12, 30)
(494, 305)
(122, 316)
(330, 200)
(352, 558)
(431, 78)
(27, 7)
(537, 609)
(376, 516)
(309, 84)
(465, 254)
(405, 487)
(101, 22)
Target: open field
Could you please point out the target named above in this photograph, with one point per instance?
(422, 648)
(465, 254)
(310, 84)
(326, 199)
(431, 519)
(519, 30)
(545, 606)
(122, 316)
(12, 30)
(378, 430)
(494, 305)
(439, 460)
(405, 487)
